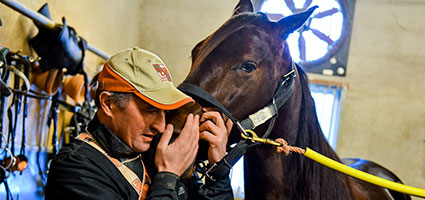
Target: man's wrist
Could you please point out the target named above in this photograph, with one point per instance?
(165, 169)
(165, 180)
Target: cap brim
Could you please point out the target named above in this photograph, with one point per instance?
(169, 98)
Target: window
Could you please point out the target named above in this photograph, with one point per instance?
(321, 44)
(236, 177)
(327, 97)
(322, 30)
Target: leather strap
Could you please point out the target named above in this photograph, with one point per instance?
(141, 187)
(223, 167)
(5, 91)
(200, 94)
(283, 92)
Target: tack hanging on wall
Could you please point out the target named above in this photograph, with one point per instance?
(46, 22)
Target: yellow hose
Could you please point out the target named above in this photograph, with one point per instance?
(362, 175)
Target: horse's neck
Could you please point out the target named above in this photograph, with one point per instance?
(294, 176)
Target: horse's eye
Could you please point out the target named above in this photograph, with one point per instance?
(248, 67)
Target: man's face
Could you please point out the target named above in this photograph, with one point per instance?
(138, 123)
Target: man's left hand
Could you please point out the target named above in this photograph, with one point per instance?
(215, 132)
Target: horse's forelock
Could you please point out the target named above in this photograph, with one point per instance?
(232, 25)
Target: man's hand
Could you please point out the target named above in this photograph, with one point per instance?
(216, 132)
(179, 155)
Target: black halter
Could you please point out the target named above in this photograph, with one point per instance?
(268, 113)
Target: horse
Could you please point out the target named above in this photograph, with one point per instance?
(241, 65)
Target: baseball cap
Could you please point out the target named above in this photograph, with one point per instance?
(143, 73)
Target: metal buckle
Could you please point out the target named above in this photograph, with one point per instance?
(221, 163)
(209, 170)
(254, 138)
(240, 127)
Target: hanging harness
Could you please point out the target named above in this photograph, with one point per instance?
(268, 113)
(140, 186)
(59, 47)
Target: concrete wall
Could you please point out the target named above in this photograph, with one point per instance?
(172, 28)
(384, 113)
(383, 117)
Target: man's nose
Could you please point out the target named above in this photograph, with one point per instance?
(159, 122)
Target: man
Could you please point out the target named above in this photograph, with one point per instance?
(133, 91)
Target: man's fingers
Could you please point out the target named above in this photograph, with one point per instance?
(188, 126)
(189, 135)
(193, 134)
(213, 116)
(189, 138)
(209, 126)
(195, 128)
(166, 136)
(209, 137)
(179, 155)
(229, 125)
(207, 109)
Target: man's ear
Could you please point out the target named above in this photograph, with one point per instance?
(105, 103)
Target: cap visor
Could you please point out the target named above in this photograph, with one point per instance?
(166, 98)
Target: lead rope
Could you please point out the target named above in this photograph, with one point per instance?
(283, 146)
(286, 148)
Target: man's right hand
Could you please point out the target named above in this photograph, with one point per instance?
(179, 155)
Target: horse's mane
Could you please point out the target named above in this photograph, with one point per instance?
(318, 182)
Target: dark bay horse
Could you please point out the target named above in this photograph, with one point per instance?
(241, 65)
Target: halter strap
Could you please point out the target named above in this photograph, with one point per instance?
(202, 95)
(5, 91)
(281, 95)
(141, 187)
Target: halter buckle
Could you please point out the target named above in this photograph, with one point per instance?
(254, 138)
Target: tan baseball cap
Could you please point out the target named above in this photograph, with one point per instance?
(143, 73)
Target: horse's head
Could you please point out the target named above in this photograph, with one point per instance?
(242, 62)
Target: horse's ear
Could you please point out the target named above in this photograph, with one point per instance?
(243, 6)
(291, 23)
(195, 50)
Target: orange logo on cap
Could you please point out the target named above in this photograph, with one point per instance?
(164, 75)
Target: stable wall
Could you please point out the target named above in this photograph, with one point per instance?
(384, 116)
